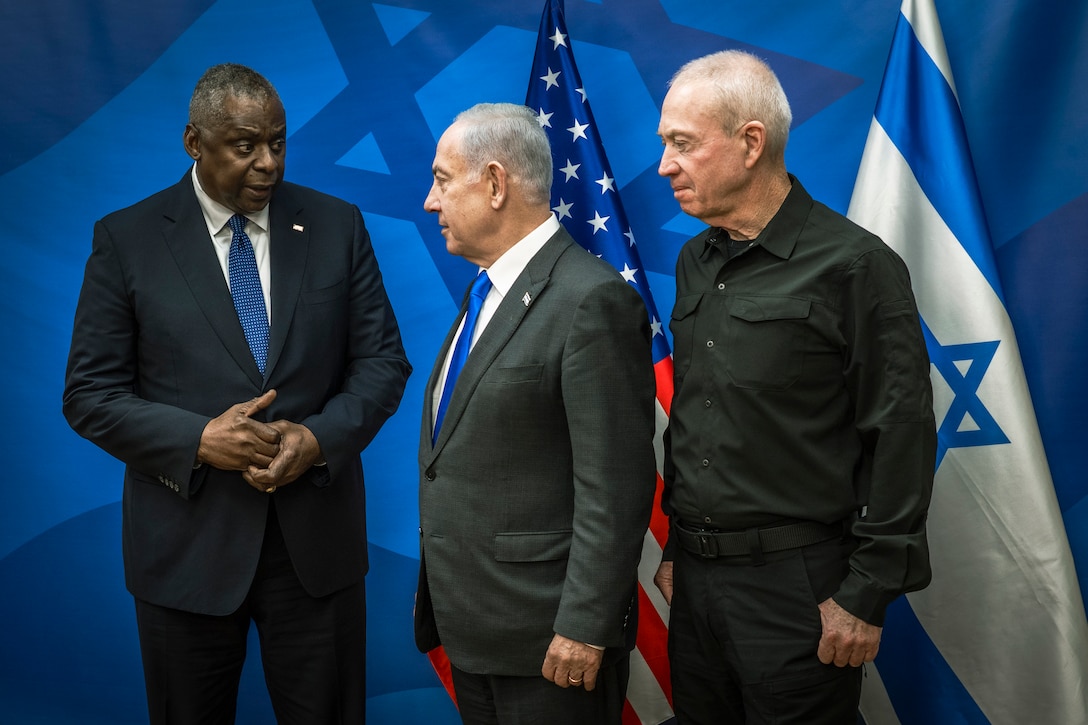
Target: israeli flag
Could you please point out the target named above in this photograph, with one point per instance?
(1000, 635)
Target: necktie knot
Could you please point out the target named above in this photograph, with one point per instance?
(481, 286)
(237, 224)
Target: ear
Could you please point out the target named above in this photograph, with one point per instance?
(497, 181)
(190, 138)
(754, 134)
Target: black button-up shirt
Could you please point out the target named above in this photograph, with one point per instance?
(802, 392)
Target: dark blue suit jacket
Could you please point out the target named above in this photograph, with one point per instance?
(157, 351)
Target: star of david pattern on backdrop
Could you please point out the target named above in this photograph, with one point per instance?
(93, 124)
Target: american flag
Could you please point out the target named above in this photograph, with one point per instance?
(586, 200)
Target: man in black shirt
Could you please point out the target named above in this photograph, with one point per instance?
(801, 446)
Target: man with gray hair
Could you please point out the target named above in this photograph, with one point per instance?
(801, 445)
(536, 452)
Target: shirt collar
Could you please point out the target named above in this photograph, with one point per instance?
(505, 270)
(216, 215)
(779, 237)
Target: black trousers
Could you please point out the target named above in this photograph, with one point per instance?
(499, 700)
(313, 651)
(743, 639)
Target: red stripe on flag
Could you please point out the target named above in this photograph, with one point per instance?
(441, 664)
(629, 716)
(652, 642)
(663, 376)
(659, 522)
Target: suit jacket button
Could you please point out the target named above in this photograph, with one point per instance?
(429, 475)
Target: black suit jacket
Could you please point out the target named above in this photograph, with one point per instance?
(535, 498)
(157, 351)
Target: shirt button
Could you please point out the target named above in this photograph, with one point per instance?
(706, 462)
(710, 343)
(707, 519)
(706, 403)
(721, 285)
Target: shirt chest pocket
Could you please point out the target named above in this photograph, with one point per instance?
(683, 332)
(765, 341)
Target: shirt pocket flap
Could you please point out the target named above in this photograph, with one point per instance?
(685, 306)
(762, 309)
(532, 545)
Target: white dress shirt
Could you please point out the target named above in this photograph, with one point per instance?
(216, 217)
(503, 273)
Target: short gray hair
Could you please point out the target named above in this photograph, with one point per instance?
(221, 82)
(511, 135)
(745, 89)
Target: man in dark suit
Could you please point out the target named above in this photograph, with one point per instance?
(536, 481)
(239, 419)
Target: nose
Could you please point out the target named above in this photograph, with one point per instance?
(668, 165)
(430, 204)
(264, 158)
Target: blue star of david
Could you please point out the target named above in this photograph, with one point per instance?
(954, 431)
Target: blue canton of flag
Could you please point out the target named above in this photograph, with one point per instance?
(584, 193)
(999, 636)
(586, 201)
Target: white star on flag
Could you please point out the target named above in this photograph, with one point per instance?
(578, 130)
(559, 39)
(628, 273)
(607, 183)
(598, 223)
(571, 170)
(562, 209)
(551, 78)
(544, 119)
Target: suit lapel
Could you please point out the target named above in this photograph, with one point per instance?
(289, 234)
(186, 234)
(435, 378)
(513, 309)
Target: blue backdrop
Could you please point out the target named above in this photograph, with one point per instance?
(95, 96)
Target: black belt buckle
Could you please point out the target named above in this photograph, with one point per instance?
(708, 544)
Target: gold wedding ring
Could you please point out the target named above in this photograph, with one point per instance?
(272, 489)
(573, 681)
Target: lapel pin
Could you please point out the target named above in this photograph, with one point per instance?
(526, 299)
(297, 227)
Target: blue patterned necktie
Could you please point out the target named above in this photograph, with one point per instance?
(245, 288)
(480, 287)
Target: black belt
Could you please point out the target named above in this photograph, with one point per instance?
(755, 542)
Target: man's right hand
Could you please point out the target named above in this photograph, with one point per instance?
(663, 580)
(233, 441)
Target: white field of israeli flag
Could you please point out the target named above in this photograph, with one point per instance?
(1002, 626)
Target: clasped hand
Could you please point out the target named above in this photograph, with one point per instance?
(267, 454)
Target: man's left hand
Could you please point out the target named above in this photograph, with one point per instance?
(571, 664)
(299, 451)
(846, 640)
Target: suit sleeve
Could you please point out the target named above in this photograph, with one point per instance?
(101, 399)
(377, 368)
(608, 393)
